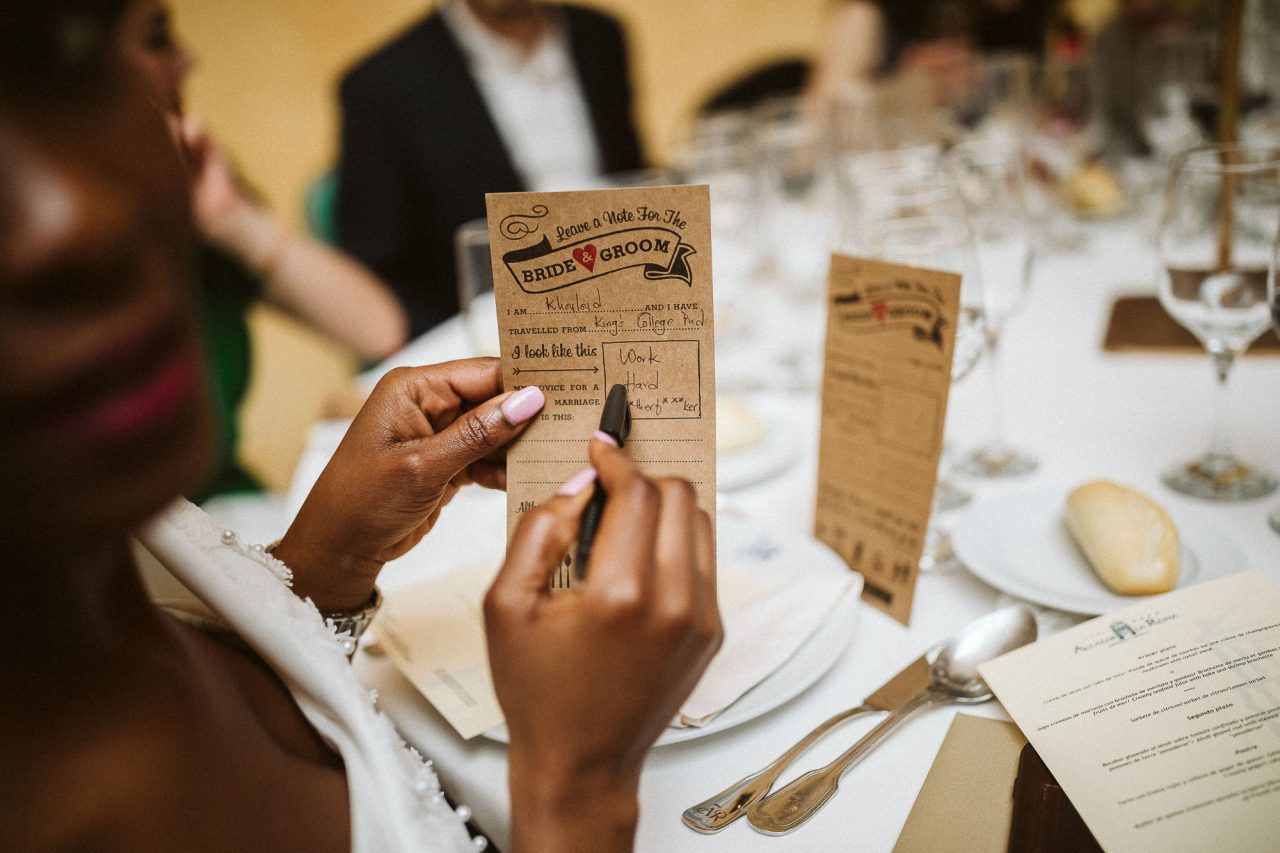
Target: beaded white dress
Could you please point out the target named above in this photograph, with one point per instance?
(395, 799)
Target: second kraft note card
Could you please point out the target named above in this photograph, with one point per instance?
(598, 288)
(891, 334)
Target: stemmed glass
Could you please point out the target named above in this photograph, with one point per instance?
(1215, 246)
(1273, 298)
(942, 242)
(797, 196)
(990, 177)
(1065, 131)
(1173, 72)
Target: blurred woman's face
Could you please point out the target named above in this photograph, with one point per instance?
(151, 45)
(103, 416)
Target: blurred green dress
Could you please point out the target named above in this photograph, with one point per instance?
(225, 291)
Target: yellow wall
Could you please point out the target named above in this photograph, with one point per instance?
(265, 84)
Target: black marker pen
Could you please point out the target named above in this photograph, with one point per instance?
(616, 422)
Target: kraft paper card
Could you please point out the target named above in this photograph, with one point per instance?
(1161, 721)
(434, 633)
(966, 802)
(886, 379)
(599, 288)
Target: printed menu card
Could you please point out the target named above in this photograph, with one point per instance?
(1161, 721)
(598, 288)
(886, 378)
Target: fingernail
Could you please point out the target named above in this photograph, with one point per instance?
(601, 435)
(523, 405)
(577, 482)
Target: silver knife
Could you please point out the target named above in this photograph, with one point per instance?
(717, 812)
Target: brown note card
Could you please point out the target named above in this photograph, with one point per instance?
(598, 288)
(966, 802)
(886, 378)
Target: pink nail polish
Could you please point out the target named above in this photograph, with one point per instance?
(523, 405)
(577, 482)
(601, 435)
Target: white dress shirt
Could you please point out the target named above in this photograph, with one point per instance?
(535, 100)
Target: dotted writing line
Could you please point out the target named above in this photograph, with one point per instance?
(578, 313)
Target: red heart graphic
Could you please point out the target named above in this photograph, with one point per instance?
(880, 310)
(586, 255)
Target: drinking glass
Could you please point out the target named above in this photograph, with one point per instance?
(998, 105)
(715, 150)
(1215, 246)
(476, 301)
(894, 113)
(1065, 134)
(990, 177)
(888, 184)
(1273, 298)
(797, 196)
(1174, 70)
(942, 242)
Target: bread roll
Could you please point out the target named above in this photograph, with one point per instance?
(1129, 540)
(738, 427)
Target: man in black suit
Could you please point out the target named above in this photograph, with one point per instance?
(425, 119)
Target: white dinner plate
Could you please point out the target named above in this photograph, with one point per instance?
(775, 452)
(1019, 544)
(751, 549)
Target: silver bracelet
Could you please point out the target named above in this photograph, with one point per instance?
(348, 626)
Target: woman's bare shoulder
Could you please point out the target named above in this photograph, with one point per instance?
(190, 765)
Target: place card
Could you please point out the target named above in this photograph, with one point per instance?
(1161, 721)
(966, 801)
(598, 288)
(886, 379)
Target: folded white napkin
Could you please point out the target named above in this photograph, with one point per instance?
(765, 622)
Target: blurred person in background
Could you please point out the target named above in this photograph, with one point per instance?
(248, 254)
(1116, 51)
(480, 96)
(1159, 73)
(241, 726)
(867, 40)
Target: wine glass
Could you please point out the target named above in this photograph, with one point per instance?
(796, 194)
(998, 106)
(1215, 246)
(889, 184)
(1273, 298)
(1173, 70)
(942, 242)
(1065, 134)
(990, 177)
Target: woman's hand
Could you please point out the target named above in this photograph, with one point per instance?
(588, 679)
(221, 210)
(423, 434)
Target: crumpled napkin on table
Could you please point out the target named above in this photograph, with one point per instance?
(764, 624)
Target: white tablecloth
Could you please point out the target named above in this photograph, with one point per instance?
(1083, 412)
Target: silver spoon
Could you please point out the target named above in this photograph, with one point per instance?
(953, 678)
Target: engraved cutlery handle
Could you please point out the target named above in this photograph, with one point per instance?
(717, 812)
(792, 805)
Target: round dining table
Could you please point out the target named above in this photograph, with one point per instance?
(1084, 412)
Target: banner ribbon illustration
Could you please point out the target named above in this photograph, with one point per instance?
(541, 268)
